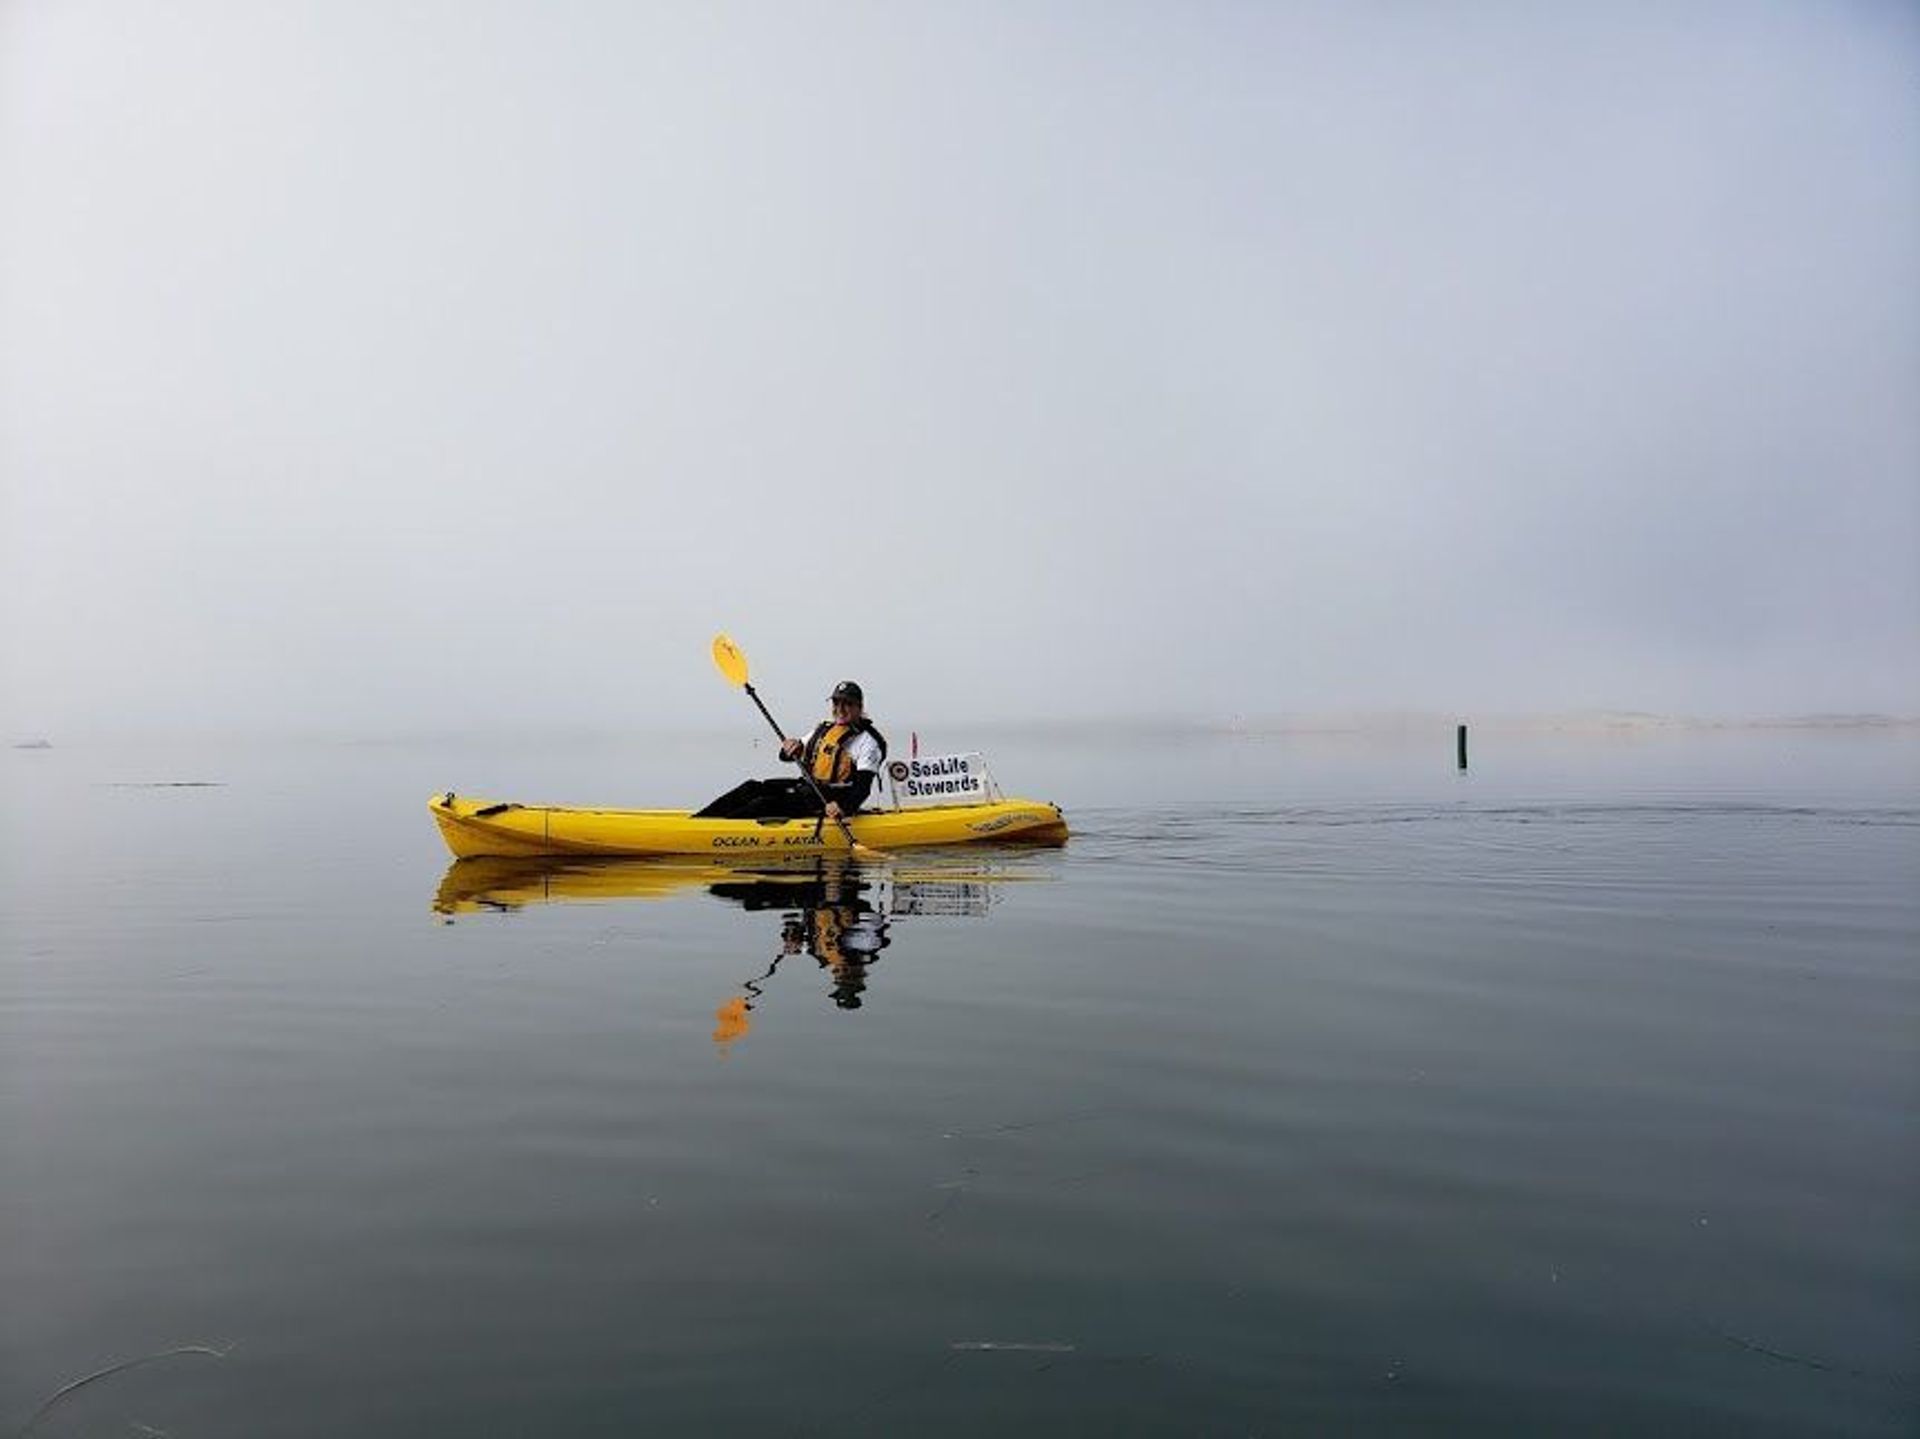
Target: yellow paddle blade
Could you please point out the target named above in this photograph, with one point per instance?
(730, 1023)
(732, 664)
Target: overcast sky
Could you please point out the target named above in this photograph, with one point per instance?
(369, 367)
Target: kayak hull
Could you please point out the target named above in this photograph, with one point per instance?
(474, 827)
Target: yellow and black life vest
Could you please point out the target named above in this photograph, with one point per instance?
(827, 758)
(829, 923)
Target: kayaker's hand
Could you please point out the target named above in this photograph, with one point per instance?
(790, 749)
(833, 809)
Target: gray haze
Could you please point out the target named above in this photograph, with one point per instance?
(371, 367)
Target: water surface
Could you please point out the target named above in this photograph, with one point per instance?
(1313, 1087)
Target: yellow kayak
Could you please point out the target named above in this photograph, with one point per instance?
(488, 827)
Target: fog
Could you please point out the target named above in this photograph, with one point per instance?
(372, 368)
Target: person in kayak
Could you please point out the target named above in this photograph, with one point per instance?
(843, 755)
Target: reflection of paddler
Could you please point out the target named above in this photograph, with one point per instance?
(845, 939)
(841, 930)
(826, 915)
(831, 919)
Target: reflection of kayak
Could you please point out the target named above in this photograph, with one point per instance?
(485, 827)
(491, 882)
(930, 888)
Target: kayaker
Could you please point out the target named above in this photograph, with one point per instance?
(843, 754)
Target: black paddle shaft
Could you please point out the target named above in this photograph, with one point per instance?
(754, 695)
(801, 760)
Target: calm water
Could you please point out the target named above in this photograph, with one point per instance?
(1312, 1088)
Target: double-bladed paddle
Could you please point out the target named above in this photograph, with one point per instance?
(727, 657)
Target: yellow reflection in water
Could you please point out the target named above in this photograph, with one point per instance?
(832, 909)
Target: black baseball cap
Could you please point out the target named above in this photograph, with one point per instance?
(848, 690)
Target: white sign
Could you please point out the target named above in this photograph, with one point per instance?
(938, 779)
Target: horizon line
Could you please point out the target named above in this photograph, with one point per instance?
(1283, 722)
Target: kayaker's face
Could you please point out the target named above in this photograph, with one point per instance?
(844, 710)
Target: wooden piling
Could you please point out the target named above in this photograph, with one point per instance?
(1460, 743)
